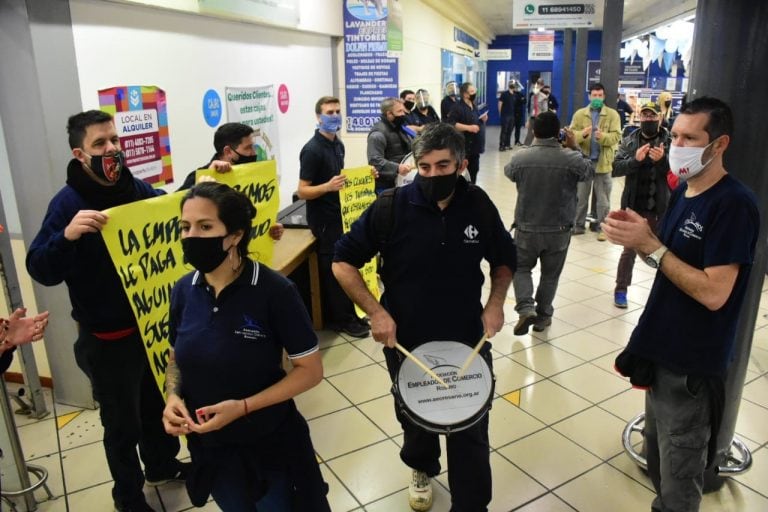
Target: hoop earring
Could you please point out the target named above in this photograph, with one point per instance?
(235, 268)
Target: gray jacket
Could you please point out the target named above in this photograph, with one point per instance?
(546, 175)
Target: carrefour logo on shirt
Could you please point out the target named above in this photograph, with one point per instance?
(471, 232)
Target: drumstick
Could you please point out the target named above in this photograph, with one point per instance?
(420, 364)
(473, 354)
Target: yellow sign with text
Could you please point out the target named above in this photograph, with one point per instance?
(144, 242)
(357, 195)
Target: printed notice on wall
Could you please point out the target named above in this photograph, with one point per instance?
(144, 241)
(141, 121)
(357, 195)
(256, 107)
(541, 45)
(371, 75)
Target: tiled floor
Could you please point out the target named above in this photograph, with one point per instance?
(555, 427)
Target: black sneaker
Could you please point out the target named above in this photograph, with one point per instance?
(523, 323)
(541, 323)
(179, 475)
(354, 328)
(138, 506)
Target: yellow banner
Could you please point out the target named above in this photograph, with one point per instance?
(144, 242)
(357, 195)
(258, 181)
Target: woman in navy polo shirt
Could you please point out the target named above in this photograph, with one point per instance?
(229, 323)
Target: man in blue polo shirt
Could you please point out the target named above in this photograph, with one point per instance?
(320, 179)
(439, 230)
(684, 340)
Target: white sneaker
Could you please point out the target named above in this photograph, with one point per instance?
(420, 491)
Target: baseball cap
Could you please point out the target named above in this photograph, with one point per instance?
(652, 106)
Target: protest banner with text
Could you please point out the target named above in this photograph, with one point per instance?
(357, 195)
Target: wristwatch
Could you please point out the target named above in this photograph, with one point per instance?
(653, 260)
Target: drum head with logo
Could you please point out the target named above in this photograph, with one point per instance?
(404, 179)
(433, 406)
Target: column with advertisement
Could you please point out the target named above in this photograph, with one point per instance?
(371, 75)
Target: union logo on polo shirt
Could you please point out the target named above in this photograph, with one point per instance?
(250, 330)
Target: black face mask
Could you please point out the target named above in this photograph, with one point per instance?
(244, 159)
(667, 103)
(437, 188)
(107, 167)
(472, 97)
(649, 129)
(398, 120)
(204, 253)
(409, 105)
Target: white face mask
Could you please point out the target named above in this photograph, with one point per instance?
(685, 161)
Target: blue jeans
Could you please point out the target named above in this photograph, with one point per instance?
(549, 248)
(677, 431)
(230, 492)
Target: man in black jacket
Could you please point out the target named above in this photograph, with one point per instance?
(642, 158)
(388, 144)
(233, 143)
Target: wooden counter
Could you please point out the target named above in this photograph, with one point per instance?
(294, 248)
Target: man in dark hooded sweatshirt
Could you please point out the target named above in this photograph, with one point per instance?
(109, 349)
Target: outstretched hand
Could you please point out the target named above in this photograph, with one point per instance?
(19, 329)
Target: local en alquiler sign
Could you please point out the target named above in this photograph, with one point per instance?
(370, 74)
(144, 242)
(357, 195)
(141, 120)
(555, 14)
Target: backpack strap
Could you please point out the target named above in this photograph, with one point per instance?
(384, 216)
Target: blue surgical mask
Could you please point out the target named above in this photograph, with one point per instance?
(330, 123)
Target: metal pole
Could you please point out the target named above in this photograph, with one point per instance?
(565, 87)
(580, 68)
(732, 34)
(10, 286)
(15, 445)
(613, 18)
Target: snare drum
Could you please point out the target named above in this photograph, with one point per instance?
(428, 404)
(404, 179)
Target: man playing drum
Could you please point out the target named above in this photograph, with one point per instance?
(432, 236)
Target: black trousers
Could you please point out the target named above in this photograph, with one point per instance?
(518, 122)
(337, 307)
(469, 465)
(131, 410)
(506, 131)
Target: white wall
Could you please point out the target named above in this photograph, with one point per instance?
(185, 55)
